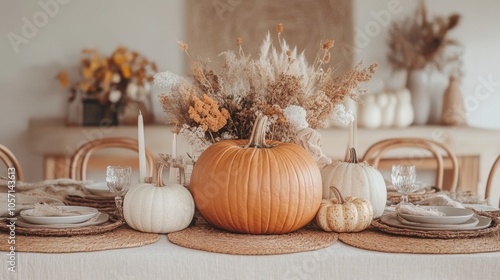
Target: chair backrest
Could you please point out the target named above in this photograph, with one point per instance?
(377, 150)
(489, 183)
(10, 160)
(80, 158)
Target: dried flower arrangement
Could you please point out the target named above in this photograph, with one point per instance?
(124, 76)
(417, 42)
(280, 83)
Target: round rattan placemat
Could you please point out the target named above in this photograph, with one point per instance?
(86, 230)
(208, 238)
(378, 241)
(123, 237)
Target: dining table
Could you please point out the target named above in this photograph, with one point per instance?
(162, 258)
(165, 260)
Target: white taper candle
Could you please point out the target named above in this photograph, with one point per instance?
(172, 178)
(142, 149)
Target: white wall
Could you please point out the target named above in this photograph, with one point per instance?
(28, 88)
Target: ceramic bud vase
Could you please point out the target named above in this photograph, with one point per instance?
(453, 112)
(417, 83)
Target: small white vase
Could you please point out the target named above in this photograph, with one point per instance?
(417, 83)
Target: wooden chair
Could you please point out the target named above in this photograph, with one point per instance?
(10, 160)
(377, 150)
(489, 183)
(80, 159)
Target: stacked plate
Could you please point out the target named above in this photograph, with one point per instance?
(453, 219)
(80, 217)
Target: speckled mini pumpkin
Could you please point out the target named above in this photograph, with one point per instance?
(350, 215)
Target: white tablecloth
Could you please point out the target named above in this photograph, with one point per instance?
(164, 260)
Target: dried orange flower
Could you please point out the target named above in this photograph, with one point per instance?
(63, 79)
(183, 46)
(279, 28)
(205, 111)
(289, 53)
(239, 41)
(328, 45)
(327, 57)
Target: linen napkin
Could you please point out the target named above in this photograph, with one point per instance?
(440, 200)
(52, 192)
(417, 210)
(24, 201)
(46, 210)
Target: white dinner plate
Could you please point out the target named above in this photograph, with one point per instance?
(472, 222)
(452, 216)
(99, 188)
(48, 220)
(391, 220)
(102, 218)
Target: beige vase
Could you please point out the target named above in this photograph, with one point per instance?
(453, 112)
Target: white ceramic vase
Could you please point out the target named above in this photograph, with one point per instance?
(417, 83)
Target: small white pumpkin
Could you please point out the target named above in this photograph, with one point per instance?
(356, 179)
(386, 109)
(158, 208)
(350, 215)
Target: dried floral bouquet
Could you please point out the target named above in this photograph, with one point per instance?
(280, 83)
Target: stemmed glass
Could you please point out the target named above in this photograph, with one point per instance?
(403, 179)
(119, 179)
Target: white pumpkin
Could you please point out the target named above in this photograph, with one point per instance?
(386, 109)
(356, 179)
(158, 208)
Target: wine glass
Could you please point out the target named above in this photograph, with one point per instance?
(119, 179)
(403, 179)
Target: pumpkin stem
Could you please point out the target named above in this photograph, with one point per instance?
(258, 136)
(337, 194)
(353, 158)
(159, 173)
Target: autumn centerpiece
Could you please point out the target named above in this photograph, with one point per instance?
(259, 119)
(111, 88)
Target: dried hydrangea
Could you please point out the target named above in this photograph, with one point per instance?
(166, 80)
(296, 116)
(340, 114)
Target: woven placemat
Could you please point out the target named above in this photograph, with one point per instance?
(442, 234)
(88, 230)
(378, 241)
(123, 237)
(395, 197)
(104, 205)
(208, 238)
(71, 198)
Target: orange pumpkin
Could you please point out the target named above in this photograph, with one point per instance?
(250, 186)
